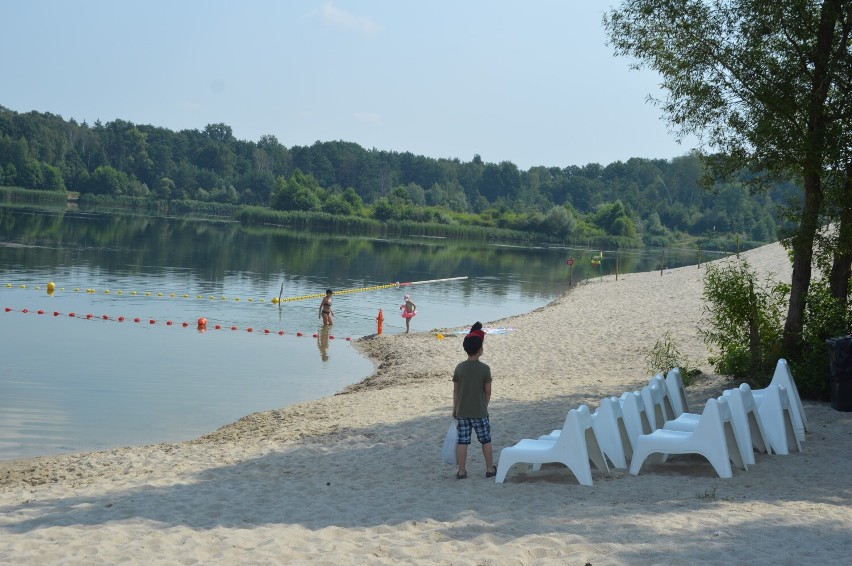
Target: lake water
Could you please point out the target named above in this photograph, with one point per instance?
(93, 381)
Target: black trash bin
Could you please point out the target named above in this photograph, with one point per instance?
(840, 381)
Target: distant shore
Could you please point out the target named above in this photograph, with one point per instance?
(357, 477)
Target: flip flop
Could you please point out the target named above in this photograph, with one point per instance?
(461, 476)
(491, 474)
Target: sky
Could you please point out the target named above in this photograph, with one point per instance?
(533, 83)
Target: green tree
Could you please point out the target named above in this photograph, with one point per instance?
(355, 201)
(558, 222)
(765, 83)
(106, 180)
(299, 192)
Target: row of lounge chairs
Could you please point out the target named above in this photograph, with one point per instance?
(624, 431)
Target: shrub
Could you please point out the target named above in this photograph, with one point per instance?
(665, 355)
(825, 317)
(742, 320)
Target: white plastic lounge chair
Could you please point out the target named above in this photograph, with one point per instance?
(784, 377)
(610, 431)
(736, 432)
(575, 446)
(635, 417)
(677, 392)
(747, 418)
(660, 381)
(655, 406)
(776, 413)
(708, 439)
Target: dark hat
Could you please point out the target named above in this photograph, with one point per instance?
(329, 291)
(474, 340)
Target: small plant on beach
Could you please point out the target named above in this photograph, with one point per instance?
(708, 495)
(742, 319)
(665, 355)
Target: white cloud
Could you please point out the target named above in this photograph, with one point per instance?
(336, 17)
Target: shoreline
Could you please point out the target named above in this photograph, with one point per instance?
(357, 476)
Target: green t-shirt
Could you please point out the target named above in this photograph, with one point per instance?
(472, 377)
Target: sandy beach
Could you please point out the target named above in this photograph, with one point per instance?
(357, 478)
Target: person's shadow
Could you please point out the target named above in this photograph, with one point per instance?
(322, 342)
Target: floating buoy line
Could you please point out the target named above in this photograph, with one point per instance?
(201, 325)
(52, 289)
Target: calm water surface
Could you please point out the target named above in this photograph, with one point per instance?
(91, 381)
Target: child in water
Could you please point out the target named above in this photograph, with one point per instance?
(409, 309)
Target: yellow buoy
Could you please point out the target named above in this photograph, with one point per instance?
(51, 288)
(274, 300)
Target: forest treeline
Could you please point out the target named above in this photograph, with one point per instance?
(639, 202)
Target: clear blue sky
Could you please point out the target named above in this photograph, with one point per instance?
(529, 82)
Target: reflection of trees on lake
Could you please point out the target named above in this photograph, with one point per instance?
(211, 250)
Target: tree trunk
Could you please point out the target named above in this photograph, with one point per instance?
(803, 253)
(812, 164)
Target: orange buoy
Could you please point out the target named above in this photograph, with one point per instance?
(202, 323)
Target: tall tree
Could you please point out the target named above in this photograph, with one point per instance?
(765, 83)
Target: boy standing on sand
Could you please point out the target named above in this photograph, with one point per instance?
(471, 394)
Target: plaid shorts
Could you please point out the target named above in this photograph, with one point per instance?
(481, 426)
